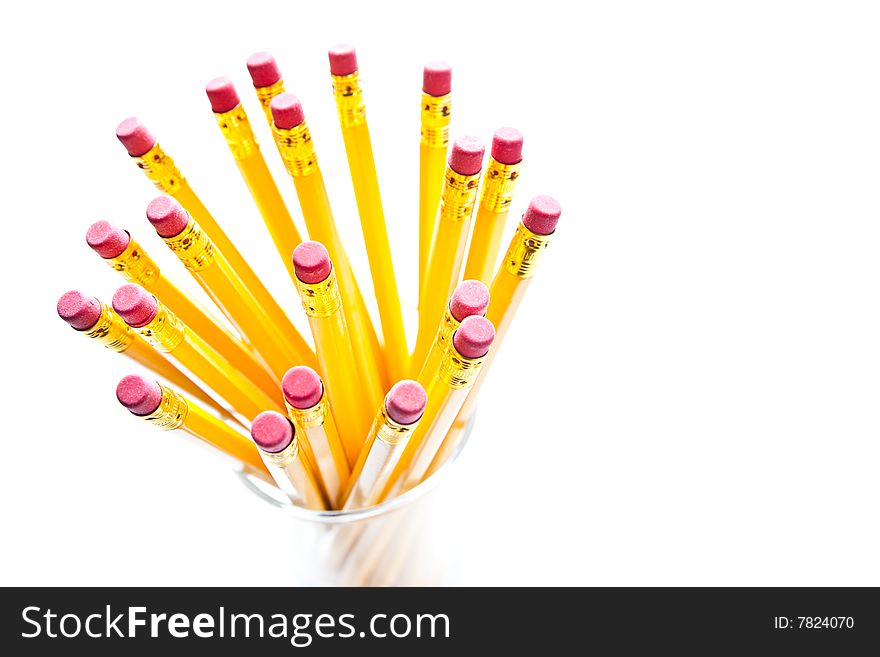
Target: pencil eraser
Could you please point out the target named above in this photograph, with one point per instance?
(406, 402)
(466, 157)
(287, 111)
(167, 216)
(107, 240)
(139, 395)
(222, 95)
(507, 145)
(437, 78)
(343, 59)
(135, 137)
(302, 387)
(271, 431)
(135, 305)
(311, 262)
(80, 311)
(263, 69)
(542, 215)
(470, 298)
(474, 337)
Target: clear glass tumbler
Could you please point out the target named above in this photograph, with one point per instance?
(397, 543)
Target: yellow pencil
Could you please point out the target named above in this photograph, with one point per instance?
(169, 410)
(125, 255)
(168, 334)
(279, 348)
(496, 194)
(236, 128)
(436, 114)
(359, 149)
(322, 302)
(160, 168)
(294, 142)
(267, 80)
(507, 291)
(450, 237)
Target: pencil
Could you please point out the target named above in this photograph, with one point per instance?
(119, 250)
(267, 80)
(236, 128)
(359, 150)
(278, 345)
(166, 333)
(169, 410)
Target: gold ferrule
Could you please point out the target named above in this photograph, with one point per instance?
(525, 251)
(160, 168)
(171, 412)
(165, 331)
(458, 196)
(266, 94)
(436, 112)
(111, 331)
(389, 431)
(193, 247)
(448, 326)
(135, 264)
(349, 100)
(320, 299)
(237, 131)
(498, 185)
(308, 417)
(285, 456)
(297, 150)
(459, 372)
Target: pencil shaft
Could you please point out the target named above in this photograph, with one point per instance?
(485, 245)
(209, 429)
(432, 164)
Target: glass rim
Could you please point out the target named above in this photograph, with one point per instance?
(341, 517)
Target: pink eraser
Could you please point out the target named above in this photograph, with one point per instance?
(135, 137)
(507, 145)
(474, 337)
(311, 262)
(78, 310)
(135, 305)
(541, 215)
(343, 59)
(466, 157)
(221, 92)
(107, 240)
(263, 69)
(406, 401)
(469, 298)
(271, 431)
(167, 216)
(139, 395)
(437, 78)
(302, 387)
(287, 111)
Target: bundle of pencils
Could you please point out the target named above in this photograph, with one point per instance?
(349, 416)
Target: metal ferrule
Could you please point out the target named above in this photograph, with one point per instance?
(135, 264)
(265, 96)
(458, 196)
(349, 100)
(448, 326)
(237, 131)
(285, 456)
(308, 417)
(436, 113)
(296, 149)
(459, 372)
(172, 411)
(498, 186)
(389, 431)
(160, 168)
(165, 331)
(525, 251)
(320, 299)
(192, 246)
(111, 331)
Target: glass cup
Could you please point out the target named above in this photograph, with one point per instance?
(400, 542)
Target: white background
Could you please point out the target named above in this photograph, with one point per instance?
(689, 394)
